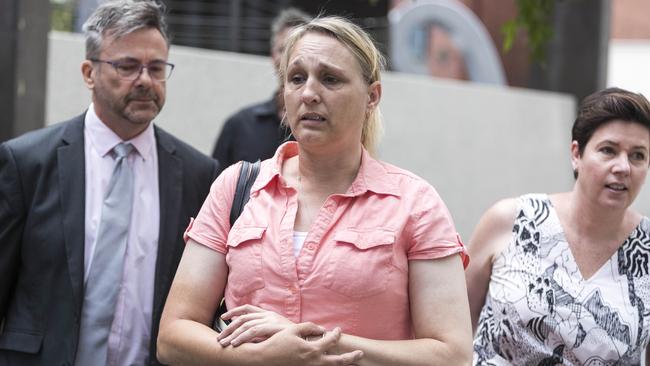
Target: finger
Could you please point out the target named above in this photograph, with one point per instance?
(241, 310)
(226, 331)
(235, 324)
(236, 332)
(349, 358)
(329, 340)
(257, 332)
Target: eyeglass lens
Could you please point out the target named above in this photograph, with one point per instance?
(131, 70)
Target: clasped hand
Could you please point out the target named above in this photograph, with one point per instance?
(286, 342)
(251, 324)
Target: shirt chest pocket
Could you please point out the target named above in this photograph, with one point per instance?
(360, 262)
(244, 259)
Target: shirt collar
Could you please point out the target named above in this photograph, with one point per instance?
(104, 139)
(372, 175)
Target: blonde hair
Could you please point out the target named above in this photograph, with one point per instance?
(372, 62)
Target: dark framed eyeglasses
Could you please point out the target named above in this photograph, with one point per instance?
(131, 69)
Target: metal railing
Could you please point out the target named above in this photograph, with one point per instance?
(230, 25)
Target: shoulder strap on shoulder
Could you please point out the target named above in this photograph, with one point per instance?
(247, 176)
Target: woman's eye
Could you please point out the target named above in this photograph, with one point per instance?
(296, 79)
(639, 156)
(607, 150)
(330, 79)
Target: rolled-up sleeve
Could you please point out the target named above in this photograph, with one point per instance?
(432, 228)
(212, 224)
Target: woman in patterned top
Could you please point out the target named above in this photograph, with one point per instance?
(563, 278)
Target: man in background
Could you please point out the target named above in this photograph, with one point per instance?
(255, 132)
(92, 210)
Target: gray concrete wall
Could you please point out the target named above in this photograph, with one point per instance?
(474, 143)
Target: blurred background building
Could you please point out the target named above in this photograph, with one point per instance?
(594, 43)
(475, 142)
(243, 25)
(629, 46)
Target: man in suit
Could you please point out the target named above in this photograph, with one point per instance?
(55, 216)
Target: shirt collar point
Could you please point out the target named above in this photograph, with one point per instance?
(372, 177)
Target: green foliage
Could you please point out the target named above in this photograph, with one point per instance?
(534, 17)
(61, 15)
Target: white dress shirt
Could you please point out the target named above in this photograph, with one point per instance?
(128, 342)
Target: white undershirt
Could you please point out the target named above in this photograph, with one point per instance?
(298, 241)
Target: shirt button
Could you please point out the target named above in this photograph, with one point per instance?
(310, 246)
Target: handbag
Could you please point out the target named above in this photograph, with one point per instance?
(247, 176)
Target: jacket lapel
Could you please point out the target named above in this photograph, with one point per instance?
(72, 178)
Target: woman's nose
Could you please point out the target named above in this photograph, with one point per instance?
(310, 93)
(622, 165)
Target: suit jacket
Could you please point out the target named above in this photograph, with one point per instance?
(42, 210)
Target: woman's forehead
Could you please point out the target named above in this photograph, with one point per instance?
(321, 48)
(621, 129)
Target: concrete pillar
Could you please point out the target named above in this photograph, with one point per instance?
(577, 54)
(24, 25)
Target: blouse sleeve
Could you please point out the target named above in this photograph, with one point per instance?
(212, 224)
(432, 228)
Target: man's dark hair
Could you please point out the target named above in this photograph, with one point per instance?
(288, 18)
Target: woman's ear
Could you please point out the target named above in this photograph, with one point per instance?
(374, 94)
(575, 155)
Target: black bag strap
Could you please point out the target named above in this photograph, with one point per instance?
(247, 176)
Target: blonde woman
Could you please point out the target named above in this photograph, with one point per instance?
(337, 258)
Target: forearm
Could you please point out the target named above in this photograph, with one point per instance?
(186, 342)
(189, 343)
(423, 351)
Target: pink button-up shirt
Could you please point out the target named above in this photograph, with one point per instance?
(352, 271)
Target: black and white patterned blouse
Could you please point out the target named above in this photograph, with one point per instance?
(540, 311)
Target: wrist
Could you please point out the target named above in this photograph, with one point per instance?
(340, 346)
